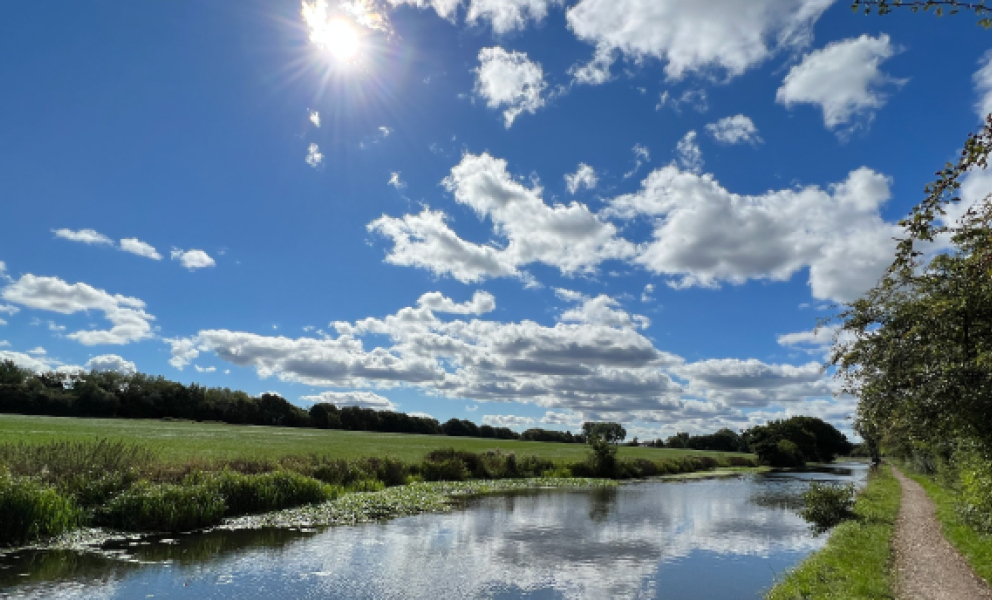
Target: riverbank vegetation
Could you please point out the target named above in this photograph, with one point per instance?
(50, 488)
(856, 561)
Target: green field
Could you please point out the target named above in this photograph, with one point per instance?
(180, 441)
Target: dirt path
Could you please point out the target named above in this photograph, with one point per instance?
(927, 566)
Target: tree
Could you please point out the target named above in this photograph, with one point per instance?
(613, 433)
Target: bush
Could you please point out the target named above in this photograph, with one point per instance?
(974, 466)
(784, 454)
(827, 505)
(603, 458)
(32, 510)
(247, 494)
(451, 469)
(163, 507)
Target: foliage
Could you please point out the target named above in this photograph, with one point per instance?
(602, 457)
(940, 7)
(613, 433)
(31, 510)
(827, 505)
(855, 563)
(163, 507)
(794, 441)
(247, 494)
(537, 434)
(974, 467)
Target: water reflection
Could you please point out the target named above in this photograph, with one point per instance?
(696, 539)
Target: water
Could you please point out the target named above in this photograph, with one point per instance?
(717, 538)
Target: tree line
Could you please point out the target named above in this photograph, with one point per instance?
(109, 394)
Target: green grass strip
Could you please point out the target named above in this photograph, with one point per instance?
(974, 546)
(856, 562)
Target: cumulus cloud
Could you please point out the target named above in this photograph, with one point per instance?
(695, 99)
(600, 310)
(597, 70)
(130, 322)
(507, 421)
(314, 157)
(511, 80)
(183, 350)
(503, 16)
(192, 259)
(689, 154)
(844, 79)
(481, 303)
(568, 237)
(599, 361)
(738, 129)
(84, 236)
(315, 118)
(705, 235)
(583, 177)
(111, 362)
(136, 246)
(357, 398)
(26, 361)
(726, 36)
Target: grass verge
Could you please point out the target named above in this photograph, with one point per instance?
(974, 546)
(856, 562)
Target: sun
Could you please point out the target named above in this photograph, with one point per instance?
(340, 39)
(337, 35)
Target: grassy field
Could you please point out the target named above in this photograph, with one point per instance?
(974, 546)
(180, 441)
(856, 562)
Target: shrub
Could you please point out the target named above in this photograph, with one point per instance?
(246, 494)
(163, 507)
(827, 505)
(784, 453)
(740, 461)
(603, 458)
(974, 466)
(451, 469)
(32, 510)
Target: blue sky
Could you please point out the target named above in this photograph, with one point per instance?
(523, 212)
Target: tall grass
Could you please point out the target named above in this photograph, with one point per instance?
(30, 510)
(163, 507)
(248, 494)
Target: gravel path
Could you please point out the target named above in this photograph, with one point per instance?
(927, 566)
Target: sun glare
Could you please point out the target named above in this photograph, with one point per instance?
(336, 35)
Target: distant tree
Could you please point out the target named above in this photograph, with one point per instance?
(679, 440)
(613, 433)
(809, 439)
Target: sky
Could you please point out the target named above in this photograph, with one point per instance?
(526, 213)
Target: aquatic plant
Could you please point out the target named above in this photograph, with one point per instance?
(31, 510)
(163, 507)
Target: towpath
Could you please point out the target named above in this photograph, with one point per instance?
(927, 566)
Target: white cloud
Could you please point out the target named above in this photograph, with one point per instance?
(511, 80)
(507, 421)
(9, 309)
(384, 131)
(723, 35)
(646, 294)
(395, 181)
(705, 235)
(136, 246)
(843, 78)
(183, 350)
(738, 129)
(192, 259)
(446, 9)
(481, 303)
(597, 70)
(568, 237)
(314, 157)
(695, 99)
(568, 419)
(983, 85)
(26, 361)
(39, 351)
(601, 310)
(507, 15)
(642, 156)
(357, 398)
(733, 373)
(111, 362)
(689, 154)
(130, 323)
(315, 118)
(584, 177)
(85, 236)
(200, 369)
